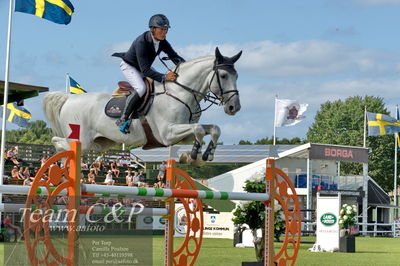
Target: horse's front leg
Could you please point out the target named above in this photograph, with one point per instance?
(215, 132)
(177, 132)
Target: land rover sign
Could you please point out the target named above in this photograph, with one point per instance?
(328, 208)
(328, 219)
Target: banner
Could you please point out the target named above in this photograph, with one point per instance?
(328, 209)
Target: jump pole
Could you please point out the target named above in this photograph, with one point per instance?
(108, 191)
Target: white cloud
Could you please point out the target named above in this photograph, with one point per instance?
(301, 58)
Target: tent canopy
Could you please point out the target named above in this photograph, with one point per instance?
(18, 92)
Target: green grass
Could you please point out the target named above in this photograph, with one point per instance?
(369, 251)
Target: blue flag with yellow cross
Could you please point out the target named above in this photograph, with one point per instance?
(380, 124)
(17, 115)
(74, 87)
(397, 134)
(58, 11)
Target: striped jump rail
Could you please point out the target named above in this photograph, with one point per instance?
(104, 191)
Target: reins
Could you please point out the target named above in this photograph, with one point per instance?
(210, 96)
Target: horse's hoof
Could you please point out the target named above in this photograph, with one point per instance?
(205, 156)
(208, 157)
(193, 155)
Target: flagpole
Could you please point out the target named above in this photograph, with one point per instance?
(395, 164)
(365, 127)
(66, 82)
(274, 140)
(5, 97)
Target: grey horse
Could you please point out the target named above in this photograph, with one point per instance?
(172, 118)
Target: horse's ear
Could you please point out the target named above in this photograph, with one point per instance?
(218, 55)
(236, 57)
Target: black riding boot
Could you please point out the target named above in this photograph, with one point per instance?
(131, 101)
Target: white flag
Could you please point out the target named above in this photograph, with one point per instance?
(288, 112)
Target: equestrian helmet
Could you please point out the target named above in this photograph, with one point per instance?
(159, 21)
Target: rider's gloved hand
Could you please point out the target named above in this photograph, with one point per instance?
(170, 76)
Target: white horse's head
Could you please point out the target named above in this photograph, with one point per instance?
(223, 82)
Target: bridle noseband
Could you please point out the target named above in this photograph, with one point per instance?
(229, 68)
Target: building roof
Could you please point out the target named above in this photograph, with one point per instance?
(18, 91)
(223, 153)
(253, 153)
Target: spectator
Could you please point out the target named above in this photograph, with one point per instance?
(135, 179)
(43, 159)
(109, 178)
(162, 168)
(27, 181)
(21, 173)
(129, 178)
(123, 162)
(84, 165)
(12, 156)
(161, 175)
(15, 173)
(114, 169)
(27, 173)
(95, 167)
(102, 161)
(141, 179)
(35, 171)
(91, 177)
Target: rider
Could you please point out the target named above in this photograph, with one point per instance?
(136, 62)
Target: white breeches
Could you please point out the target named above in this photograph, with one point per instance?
(134, 77)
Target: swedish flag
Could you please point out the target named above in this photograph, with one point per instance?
(58, 11)
(380, 124)
(397, 134)
(74, 87)
(18, 115)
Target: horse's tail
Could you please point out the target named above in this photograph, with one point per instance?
(52, 104)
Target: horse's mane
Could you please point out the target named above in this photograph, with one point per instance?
(194, 61)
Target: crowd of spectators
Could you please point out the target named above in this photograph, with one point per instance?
(119, 171)
(102, 170)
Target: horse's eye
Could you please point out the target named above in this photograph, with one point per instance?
(223, 76)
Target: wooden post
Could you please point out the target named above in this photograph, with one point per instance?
(169, 221)
(74, 194)
(269, 213)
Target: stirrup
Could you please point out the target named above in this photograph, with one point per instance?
(125, 127)
(120, 122)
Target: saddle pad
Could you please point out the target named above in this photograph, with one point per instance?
(115, 106)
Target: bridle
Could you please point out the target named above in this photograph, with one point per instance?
(209, 96)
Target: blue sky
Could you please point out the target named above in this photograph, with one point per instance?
(310, 51)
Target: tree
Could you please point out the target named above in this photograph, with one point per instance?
(36, 132)
(252, 213)
(342, 123)
(270, 141)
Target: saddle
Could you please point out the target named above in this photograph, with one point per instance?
(116, 104)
